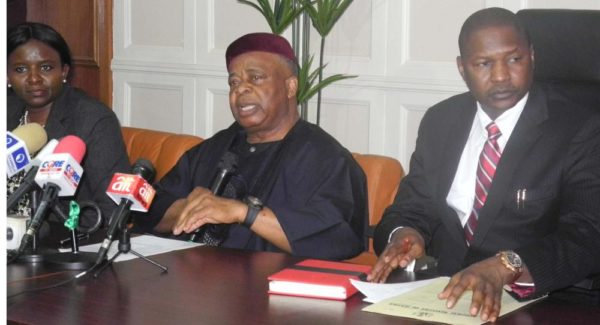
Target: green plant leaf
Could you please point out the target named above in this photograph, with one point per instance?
(306, 80)
(316, 88)
(324, 14)
(280, 16)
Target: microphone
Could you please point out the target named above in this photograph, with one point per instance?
(15, 228)
(130, 192)
(62, 168)
(226, 167)
(58, 175)
(22, 141)
(28, 182)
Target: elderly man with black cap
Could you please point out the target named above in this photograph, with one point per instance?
(282, 183)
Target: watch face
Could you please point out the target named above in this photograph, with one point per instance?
(514, 259)
(254, 201)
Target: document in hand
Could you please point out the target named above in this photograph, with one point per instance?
(317, 279)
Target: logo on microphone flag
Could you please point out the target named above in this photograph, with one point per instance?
(72, 175)
(52, 166)
(17, 155)
(20, 159)
(146, 193)
(133, 188)
(62, 170)
(122, 183)
(10, 141)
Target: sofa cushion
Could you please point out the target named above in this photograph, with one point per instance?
(163, 149)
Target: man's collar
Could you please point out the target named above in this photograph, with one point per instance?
(507, 120)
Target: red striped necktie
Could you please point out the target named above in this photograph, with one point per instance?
(488, 160)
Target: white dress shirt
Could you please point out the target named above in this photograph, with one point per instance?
(462, 192)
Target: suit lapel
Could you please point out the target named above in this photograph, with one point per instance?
(454, 146)
(525, 134)
(58, 114)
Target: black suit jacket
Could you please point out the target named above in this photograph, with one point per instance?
(553, 153)
(75, 113)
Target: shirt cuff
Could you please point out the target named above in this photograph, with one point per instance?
(520, 290)
(411, 266)
(392, 234)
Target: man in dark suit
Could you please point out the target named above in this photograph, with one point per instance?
(504, 183)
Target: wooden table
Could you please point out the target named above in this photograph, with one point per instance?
(207, 285)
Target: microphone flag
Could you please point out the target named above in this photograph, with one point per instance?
(133, 188)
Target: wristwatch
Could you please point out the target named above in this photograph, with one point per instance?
(513, 262)
(254, 207)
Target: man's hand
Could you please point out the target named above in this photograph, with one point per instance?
(202, 207)
(485, 279)
(405, 246)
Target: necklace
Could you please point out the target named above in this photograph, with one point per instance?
(25, 119)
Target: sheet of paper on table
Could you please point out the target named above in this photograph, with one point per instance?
(376, 292)
(422, 303)
(146, 245)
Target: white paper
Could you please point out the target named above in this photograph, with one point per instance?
(376, 292)
(146, 245)
(423, 304)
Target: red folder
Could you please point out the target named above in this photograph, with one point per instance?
(318, 279)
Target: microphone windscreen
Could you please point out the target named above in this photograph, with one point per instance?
(33, 135)
(144, 168)
(72, 145)
(228, 162)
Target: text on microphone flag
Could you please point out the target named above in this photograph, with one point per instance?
(72, 175)
(52, 165)
(131, 187)
(60, 169)
(146, 193)
(122, 183)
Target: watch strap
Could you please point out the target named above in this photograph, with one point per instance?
(516, 270)
(251, 215)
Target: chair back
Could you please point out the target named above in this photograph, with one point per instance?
(567, 54)
(163, 149)
(383, 177)
(567, 51)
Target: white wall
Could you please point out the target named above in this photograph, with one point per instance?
(169, 68)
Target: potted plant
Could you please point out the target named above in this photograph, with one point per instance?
(323, 14)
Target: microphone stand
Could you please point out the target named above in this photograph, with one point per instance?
(125, 248)
(75, 259)
(35, 254)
